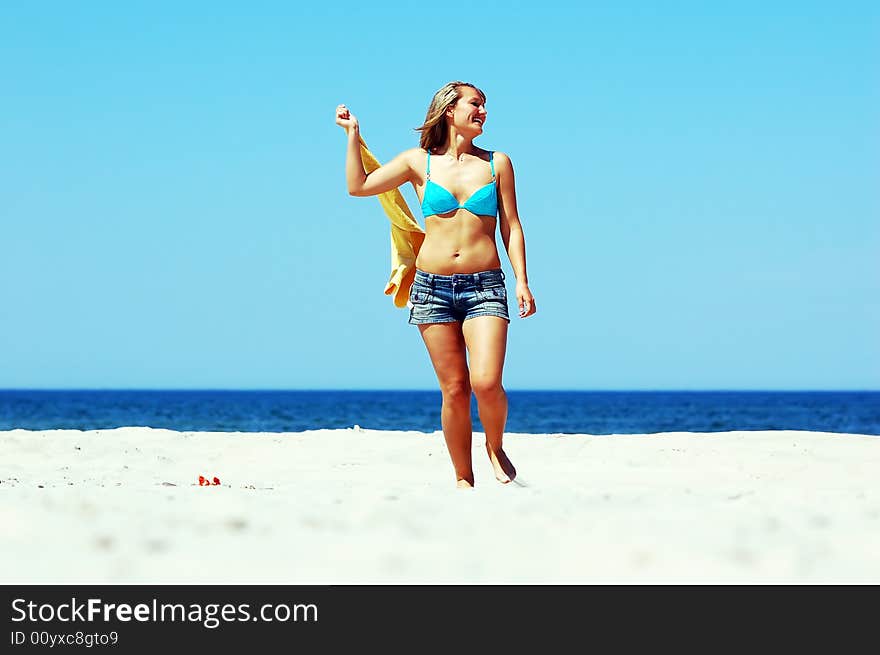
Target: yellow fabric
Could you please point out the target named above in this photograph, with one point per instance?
(406, 235)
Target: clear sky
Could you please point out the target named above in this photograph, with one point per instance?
(697, 182)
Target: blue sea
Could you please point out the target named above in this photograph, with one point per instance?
(554, 412)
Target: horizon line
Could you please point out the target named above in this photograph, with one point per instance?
(435, 389)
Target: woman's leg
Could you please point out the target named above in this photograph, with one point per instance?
(486, 340)
(446, 347)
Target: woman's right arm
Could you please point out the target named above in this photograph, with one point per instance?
(360, 183)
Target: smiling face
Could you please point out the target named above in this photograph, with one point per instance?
(468, 115)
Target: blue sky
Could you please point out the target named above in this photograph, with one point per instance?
(697, 182)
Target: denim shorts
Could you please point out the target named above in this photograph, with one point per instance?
(449, 298)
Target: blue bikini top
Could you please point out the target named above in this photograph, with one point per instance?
(437, 200)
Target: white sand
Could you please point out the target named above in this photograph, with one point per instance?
(367, 506)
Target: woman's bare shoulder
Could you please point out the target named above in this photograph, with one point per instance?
(413, 156)
(502, 160)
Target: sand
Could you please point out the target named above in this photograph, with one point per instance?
(366, 506)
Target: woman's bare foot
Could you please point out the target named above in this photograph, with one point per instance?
(504, 470)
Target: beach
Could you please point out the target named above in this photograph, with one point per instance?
(360, 506)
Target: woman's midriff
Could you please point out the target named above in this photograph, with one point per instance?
(462, 243)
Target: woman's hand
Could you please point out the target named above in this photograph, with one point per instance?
(525, 299)
(345, 119)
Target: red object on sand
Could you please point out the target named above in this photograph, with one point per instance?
(216, 480)
(203, 481)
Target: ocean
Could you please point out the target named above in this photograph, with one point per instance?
(535, 412)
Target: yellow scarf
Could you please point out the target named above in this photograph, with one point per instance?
(406, 235)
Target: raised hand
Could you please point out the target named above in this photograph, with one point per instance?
(344, 118)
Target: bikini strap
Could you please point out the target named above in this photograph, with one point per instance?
(428, 173)
(492, 163)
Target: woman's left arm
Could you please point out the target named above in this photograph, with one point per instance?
(512, 233)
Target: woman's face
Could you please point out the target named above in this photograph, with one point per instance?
(469, 112)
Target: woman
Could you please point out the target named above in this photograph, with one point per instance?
(458, 298)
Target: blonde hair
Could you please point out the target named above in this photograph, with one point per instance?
(434, 130)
